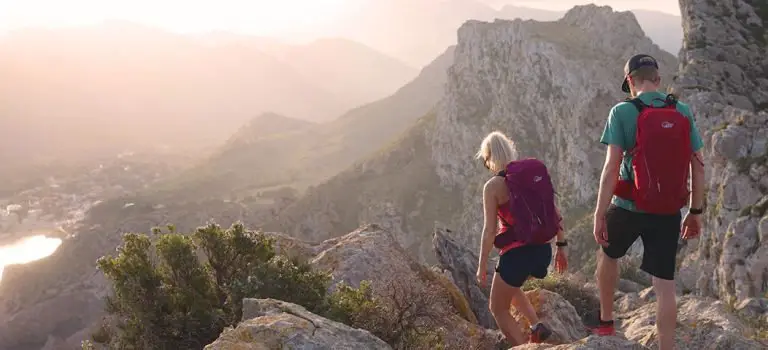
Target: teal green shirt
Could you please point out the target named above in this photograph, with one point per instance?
(620, 131)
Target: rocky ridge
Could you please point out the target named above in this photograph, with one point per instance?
(548, 85)
(724, 77)
(370, 253)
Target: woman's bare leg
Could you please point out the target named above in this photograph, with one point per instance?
(501, 301)
(524, 306)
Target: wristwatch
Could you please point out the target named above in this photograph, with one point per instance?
(562, 244)
(695, 211)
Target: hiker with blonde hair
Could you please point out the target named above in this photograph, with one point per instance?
(521, 220)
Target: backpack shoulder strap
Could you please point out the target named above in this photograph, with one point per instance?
(671, 99)
(637, 103)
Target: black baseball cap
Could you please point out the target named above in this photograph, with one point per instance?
(637, 61)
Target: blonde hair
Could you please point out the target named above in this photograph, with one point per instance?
(497, 150)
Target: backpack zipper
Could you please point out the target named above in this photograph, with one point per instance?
(648, 172)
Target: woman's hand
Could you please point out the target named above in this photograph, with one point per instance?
(561, 260)
(481, 274)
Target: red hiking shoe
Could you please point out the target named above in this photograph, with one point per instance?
(604, 329)
(540, 333)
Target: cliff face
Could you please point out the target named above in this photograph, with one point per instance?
(724, 76)
(548, 85)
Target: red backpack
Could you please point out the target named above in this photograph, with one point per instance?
(661, 158)
(531, 202)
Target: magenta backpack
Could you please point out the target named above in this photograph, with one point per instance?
(531, 203)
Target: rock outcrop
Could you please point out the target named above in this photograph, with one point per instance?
(275, 324)
(701, 323)
(460, 263)
(371, 253)
(548, 85)
(557, 313)
(724, 77)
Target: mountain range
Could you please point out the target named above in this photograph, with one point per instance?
(82, 92)
(415, 31)
(273, 150)
(98, 90)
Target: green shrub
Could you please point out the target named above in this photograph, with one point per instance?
(176, 291)
(180, 291)
(402, 315)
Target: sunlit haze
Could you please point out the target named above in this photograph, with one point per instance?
(282, 18)
(666, 6)
(263, 17)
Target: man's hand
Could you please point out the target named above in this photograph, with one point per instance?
(691, 226)
(599, 231)
(481, 275)
(561, 260)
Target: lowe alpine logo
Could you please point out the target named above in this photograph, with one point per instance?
(667, 125)
(537, 179)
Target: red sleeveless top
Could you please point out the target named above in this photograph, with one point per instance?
(505, 221)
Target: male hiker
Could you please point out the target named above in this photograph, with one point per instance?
(653, 145)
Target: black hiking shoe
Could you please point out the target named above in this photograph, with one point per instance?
(540, 333)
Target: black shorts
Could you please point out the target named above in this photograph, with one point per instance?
(517, 264)
(660, 234)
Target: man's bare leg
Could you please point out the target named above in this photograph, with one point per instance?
(666, 312)
(607, 277)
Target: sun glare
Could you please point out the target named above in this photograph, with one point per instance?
(261, 17)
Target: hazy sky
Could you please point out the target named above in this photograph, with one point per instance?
(668, 6)
(260, 17)
(251, 16)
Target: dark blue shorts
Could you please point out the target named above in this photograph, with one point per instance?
(517, 264)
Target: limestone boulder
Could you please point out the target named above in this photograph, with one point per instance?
(460, 263)
(557, 313)
(274, 324)
(702, 323)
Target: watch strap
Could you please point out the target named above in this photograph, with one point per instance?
(695, 211)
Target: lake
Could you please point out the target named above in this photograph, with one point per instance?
(26, 250)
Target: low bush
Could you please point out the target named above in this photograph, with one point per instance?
(177, 291)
